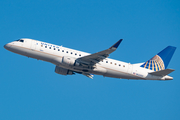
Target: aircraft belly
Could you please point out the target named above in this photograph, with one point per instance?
(118, 74)
(99, 71)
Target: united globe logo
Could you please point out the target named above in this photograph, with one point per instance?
(155, 64)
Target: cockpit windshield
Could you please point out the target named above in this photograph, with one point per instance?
(20, 40)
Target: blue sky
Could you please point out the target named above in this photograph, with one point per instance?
(30, 89)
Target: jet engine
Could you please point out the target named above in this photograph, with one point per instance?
(69, 61)
(63, 71)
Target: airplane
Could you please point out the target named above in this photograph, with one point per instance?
(69, 61)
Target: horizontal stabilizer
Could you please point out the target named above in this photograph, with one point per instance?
(162, 72)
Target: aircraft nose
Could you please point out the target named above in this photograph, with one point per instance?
(6, 46)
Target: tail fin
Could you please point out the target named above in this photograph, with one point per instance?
(161, 60)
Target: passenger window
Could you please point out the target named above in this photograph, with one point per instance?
(75, 53)
(106, 61)
(58, 49)
(62, 50)
(41, 45)
(114, 63)
(66, 51)
(49, 47)
(71, 53)
(79, 54)
(119, 64)
(45, 46)
(110, 62)
(123, 65)
(54, 48)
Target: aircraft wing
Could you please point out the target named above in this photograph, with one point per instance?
(97, 57)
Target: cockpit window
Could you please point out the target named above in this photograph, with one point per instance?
(20, 40)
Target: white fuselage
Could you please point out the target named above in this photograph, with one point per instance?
(54, 54)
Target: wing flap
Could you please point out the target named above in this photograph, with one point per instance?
(162, 72)
(88, 75)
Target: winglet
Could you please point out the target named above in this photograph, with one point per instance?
(116, 44)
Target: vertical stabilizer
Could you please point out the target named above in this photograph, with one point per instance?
(161, 60)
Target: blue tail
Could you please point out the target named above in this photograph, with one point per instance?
(161, 60)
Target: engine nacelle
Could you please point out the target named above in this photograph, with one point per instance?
(63, 71)
(69, 61)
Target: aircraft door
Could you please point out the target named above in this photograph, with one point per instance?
(27, 43)
(130, 68)
(33, 44)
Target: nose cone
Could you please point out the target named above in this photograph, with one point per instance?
(7, 46)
